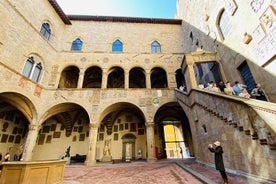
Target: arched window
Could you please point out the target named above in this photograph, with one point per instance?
(32, 70)
(224, 24)
(117, 46)
(46, 31)
(155, 47)
(76, 45)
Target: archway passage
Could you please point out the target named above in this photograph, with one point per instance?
(173, 138)
(121, 134)
(64, 125)
(16, 112)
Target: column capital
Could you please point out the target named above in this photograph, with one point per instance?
(149, 124)
(93, 125)
(34, 127)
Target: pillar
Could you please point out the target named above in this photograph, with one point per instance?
(191, 74)
(91, 154)
(30, 142)
(148, 83)
(80, 81)
(150, 142)
(126, 79)
(104, 79)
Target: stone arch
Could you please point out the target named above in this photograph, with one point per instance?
(93, 77)
(117, 121)
(17, 112)
(137, 78)
(171, 117)
(116, 77)
(16, 101)
(69, 77)
(62, 125)
(158, 78)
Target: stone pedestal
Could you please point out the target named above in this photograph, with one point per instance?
(68, 160)
(106, 158)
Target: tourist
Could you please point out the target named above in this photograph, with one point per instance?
(228, 89)
(244, 93)
(182, 87)
(259, 93)
(221, 86)
(218, 151)
(238, 87)
(7, 157)
(210, 86)
(200, 85)
(215, 88)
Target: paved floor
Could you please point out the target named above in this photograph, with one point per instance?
(141, 172)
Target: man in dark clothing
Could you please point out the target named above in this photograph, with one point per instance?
(259, 93)
(217, 149)
(221, 86)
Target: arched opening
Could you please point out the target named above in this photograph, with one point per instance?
(65, 125)
(173, 132)
(137, 78)
(116, 78)
(121, 134)
(158, 78)
(92, 78)
(16, 112)
(69, 77)
(179, 77)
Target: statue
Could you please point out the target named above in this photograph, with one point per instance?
(67, 153)
(106, 150)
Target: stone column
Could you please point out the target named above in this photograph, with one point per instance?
(150, 142)
(91, 154)
(148, 84)
(126, 79)
(189, 73)
(30, 142)
(104, 79)
(80, 81)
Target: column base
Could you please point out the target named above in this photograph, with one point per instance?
(68, 160)
(151, 160)
(90, 163)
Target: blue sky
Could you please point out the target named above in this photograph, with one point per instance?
(127, 8)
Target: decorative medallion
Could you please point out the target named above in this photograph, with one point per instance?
(155, 101)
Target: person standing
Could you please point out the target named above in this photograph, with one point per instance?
(259, 93)
(221, 86)
(218, 151)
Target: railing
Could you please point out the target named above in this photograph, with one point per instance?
(252, 117)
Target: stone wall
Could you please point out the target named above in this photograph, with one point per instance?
(200, 26)
(248, 139)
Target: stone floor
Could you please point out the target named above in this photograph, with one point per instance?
(141, 172)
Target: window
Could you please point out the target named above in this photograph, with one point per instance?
(76, 45)
(224, 24)
(46, 31)
(32, 70)
(155, 47)
(117, 46)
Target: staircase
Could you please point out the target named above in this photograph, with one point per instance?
(246, 127)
